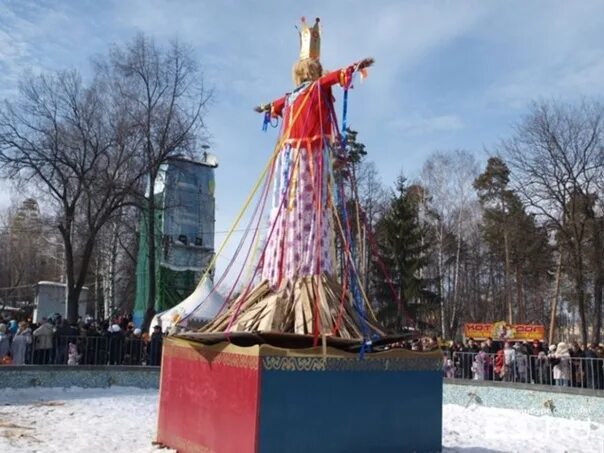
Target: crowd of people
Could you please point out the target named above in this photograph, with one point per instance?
(118, 342)
(86, 342)
(559, 364)
(416, 344)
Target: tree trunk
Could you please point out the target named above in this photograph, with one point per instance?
(554, 311)
(597, 325)
(73, 298)
(598, 280)
(582, 314)
(73, 285)
(400, 323)
(99, 287)
(506, 278)
(72, 289)
(453, 319)
(441, 296)
(151, 246)
(491, 296)
(71, 295)
(368, 230)
(111, 271)
(457, 263)
(520, 295)
(579, 288)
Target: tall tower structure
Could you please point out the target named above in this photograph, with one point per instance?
(184, 234)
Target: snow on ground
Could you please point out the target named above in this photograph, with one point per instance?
(123, 419)
(118, 419)
(487, 429)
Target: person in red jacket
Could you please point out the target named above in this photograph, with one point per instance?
(499, 365)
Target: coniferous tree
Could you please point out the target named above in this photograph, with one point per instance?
(516, 245)
(401, 254)
(495, 198)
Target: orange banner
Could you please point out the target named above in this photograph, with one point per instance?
(504, 331)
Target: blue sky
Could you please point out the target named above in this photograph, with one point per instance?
(448, 74)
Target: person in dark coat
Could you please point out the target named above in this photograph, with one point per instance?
(470, 350)
(490, 347)
(577, 378)
(534, 349)
(155, 347)
(134, 348)
(116, 338)
(590, 365)
(94, 347)
(543, 370)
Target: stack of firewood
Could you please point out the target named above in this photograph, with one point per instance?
(308, 305)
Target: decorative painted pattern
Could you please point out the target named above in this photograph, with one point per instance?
(280, 363)
(207, 355)
(293, 363)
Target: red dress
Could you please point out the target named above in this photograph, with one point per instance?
(308, 120)
(300, 241)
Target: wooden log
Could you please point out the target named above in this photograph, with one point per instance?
(293, 309)
(307, 300)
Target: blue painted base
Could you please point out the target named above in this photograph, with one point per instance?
(361, 407)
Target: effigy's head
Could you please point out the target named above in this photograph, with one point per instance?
(308, 68)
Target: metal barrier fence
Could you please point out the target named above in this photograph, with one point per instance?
(579, 372)
(92, 350)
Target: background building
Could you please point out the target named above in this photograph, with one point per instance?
(49, 301)
(185, 233)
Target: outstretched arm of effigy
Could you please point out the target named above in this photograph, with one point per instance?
(275, 108)
(344, 76)
(341, 76)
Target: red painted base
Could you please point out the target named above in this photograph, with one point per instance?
(208, 397)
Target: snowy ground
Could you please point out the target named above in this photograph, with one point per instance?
(486, 429)
(118, 419)
(123, 420)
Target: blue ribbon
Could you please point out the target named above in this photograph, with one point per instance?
(354, 287)
(344, 114)
(365, 347)
(267, 121)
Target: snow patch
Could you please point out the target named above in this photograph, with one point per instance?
(123, 419)
(487, 429)
(117, 419)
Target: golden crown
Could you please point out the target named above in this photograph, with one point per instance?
(310, 40)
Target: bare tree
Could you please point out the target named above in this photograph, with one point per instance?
(448, 178)
(75, 147)
(373, 199)
(556, 158)
(164, 94)
(115, 261)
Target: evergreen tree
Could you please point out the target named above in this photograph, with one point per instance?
(355, 150)
(495, 198)
(517, 247)
(401, 252)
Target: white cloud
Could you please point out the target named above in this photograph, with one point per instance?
(552, 52)
(420, 125)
